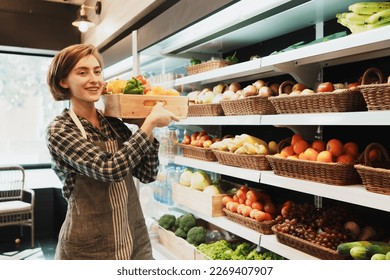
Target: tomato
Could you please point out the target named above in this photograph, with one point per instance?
(226, 199)
(141, 79)
(325, 87)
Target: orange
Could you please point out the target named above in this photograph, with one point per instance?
(351, 148)
(302, 156)
(300, 146)
(287, 151)
(310, 154)
(292, 157)
(325, 156)
(318, 145)
(335, 146)
(241, 194)
(345, 158)
(295, 138)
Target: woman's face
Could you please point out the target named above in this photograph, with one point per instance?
(85, 81)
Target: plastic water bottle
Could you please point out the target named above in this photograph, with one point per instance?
(172, 144)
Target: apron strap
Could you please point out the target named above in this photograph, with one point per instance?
(77, 122)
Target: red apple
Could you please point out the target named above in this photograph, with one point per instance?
(325, 87)
(194, 135)
(353, 85)
(299, 87)
(200, 135)
(186, 139)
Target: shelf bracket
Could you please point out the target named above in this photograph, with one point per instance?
(306, 74)
(318, 201)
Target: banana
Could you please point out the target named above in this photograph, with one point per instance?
(250, 148)
(379, 17)
(355, 28)
(356, 18)
(368, 8)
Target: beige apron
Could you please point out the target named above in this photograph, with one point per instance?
(104, 220)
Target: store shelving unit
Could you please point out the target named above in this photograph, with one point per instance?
(303, 64)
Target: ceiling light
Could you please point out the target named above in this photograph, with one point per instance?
(83, 23)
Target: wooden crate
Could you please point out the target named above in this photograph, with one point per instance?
(210, 205)
(176, 245)
(132, 106)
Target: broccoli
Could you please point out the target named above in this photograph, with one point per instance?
(187, 221)
(196, 235)
(181, 233)
(167, 221)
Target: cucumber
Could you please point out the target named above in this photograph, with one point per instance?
(378, 248)
(359, 253)
(345, 248)
(378, 257)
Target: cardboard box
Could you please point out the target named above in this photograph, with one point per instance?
(132, 106)
(210, 205)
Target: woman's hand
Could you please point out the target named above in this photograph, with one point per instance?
(158, 117)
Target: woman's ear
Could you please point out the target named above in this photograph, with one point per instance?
(64, 84)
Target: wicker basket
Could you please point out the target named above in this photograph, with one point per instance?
(333, 173)
(204, 110)
(257, 162)
(376, 175)
(197, 152)
(264, 227)
(253, 105)
(206, 66)
(307, 247)
(323, 102)
(377, 96)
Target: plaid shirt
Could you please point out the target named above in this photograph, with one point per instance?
(73, 155)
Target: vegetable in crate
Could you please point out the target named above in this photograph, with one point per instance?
(196, 235)
(134, 86)
(232, 58)
(187, 221)
(195, 61)
(167, 221)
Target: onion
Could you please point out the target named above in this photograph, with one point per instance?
(258, 84)
(249, 91)
(265, 91)
(234, 86)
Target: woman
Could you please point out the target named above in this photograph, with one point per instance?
(96, 158)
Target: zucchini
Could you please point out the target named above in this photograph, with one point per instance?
(359, 253)
(378, 248)
(345, 248)
(378, 257)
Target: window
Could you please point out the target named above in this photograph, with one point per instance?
(26, 108)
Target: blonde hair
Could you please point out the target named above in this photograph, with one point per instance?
(63, 62)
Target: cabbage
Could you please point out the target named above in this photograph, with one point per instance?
(212, 189)
(200, 180)
(185, 178)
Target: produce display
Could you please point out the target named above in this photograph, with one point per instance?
(199, 139)
(184, 226)
(223, 250)
(137, 85)
(245, 144)
(332, 150)
(365, 250)
(251, 203)
(365, 16)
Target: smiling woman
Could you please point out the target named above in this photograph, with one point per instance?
(26, 107)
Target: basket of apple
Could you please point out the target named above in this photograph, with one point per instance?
(328, 97)
(249, 100)
(197, 146)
